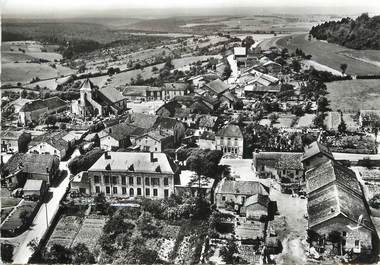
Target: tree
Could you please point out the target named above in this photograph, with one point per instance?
(296, 65)
(101, 204)
(24, 217)
(84, 162)
(227, 71)
(343, 67)
(323, 104)
(319, 120)
(336, 238)
(6, 252)
(248, 42)
(58, 254)
(24, 93)
(273, 117)
(148, 226)
(342, 127)
(82, 255)
(116, 225)
(229, 252)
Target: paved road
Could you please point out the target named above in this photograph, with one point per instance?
(43, 218)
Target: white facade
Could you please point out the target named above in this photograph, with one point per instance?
(228, 145)
(45, 148)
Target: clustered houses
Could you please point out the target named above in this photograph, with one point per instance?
(33, 111)
(132, 174)
(336, 201)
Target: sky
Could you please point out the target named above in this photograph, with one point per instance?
(55, 7)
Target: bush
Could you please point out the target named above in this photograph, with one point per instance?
(84, 162)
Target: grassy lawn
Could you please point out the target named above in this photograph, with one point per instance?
(9, 202)
(331, 54)
(353, 95)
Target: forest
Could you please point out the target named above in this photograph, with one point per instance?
(361, 33)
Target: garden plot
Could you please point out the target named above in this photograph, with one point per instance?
(90, 231)
(306, 121)
(65, 231)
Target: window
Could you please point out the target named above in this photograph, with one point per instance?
(147, 192)
(108, 190)
(155, 149)
(147, 181)
(130, 180)
(155, 182)
(166, 181)
(166, 193)
(131, 192)
(123, 180)
(155, 192)
(223, 198)
(97, 189)
(96, 179)
(284, 171)
(107, 179)
(138, 180)
(114, 190)
(344, 233)
(115, 180)
(357, 243)
(124, 190)
(297, 172)
(243, 199)
(138, 191)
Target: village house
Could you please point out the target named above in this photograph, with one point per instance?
(98, 101)
(232, 194)
(193, 104)
(33, 111)
(142, 93)
(261, 84)
(315, 154)
(14, 141)
(256, 207)
(172, 90)
(132, 174)
(80, 184)
(155, 141)
(229, 139)
(121, 135)
(21, 167)
(206, 140)
(188, 185)
(336, 203)
(49, 143)
(240, 55)
(35, 188)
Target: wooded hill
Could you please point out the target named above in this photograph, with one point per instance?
(361, 33)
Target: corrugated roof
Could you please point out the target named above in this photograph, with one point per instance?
(122, 161)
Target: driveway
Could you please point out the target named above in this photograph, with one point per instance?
(43, 219)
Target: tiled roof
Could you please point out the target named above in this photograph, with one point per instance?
(314, 149)
(157, 135)
(230, 130)
(122, 161)
(207, 121)
(9, 134)
(112, 94)
(257, 198)
(54, 139)
(30, 163)
(166, 123)
(121, 131)
(145, 121)
(331, 171)
(336, 200)
(290, 161)
(241, 187)
(217, 86)
(50, 103)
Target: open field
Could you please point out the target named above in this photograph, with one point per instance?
(353, 95)
(24, 72)
(331, 54)
(207, 25)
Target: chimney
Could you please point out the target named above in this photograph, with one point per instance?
(151, 157)
(109, 130)
(47, 170)
(107, 155)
